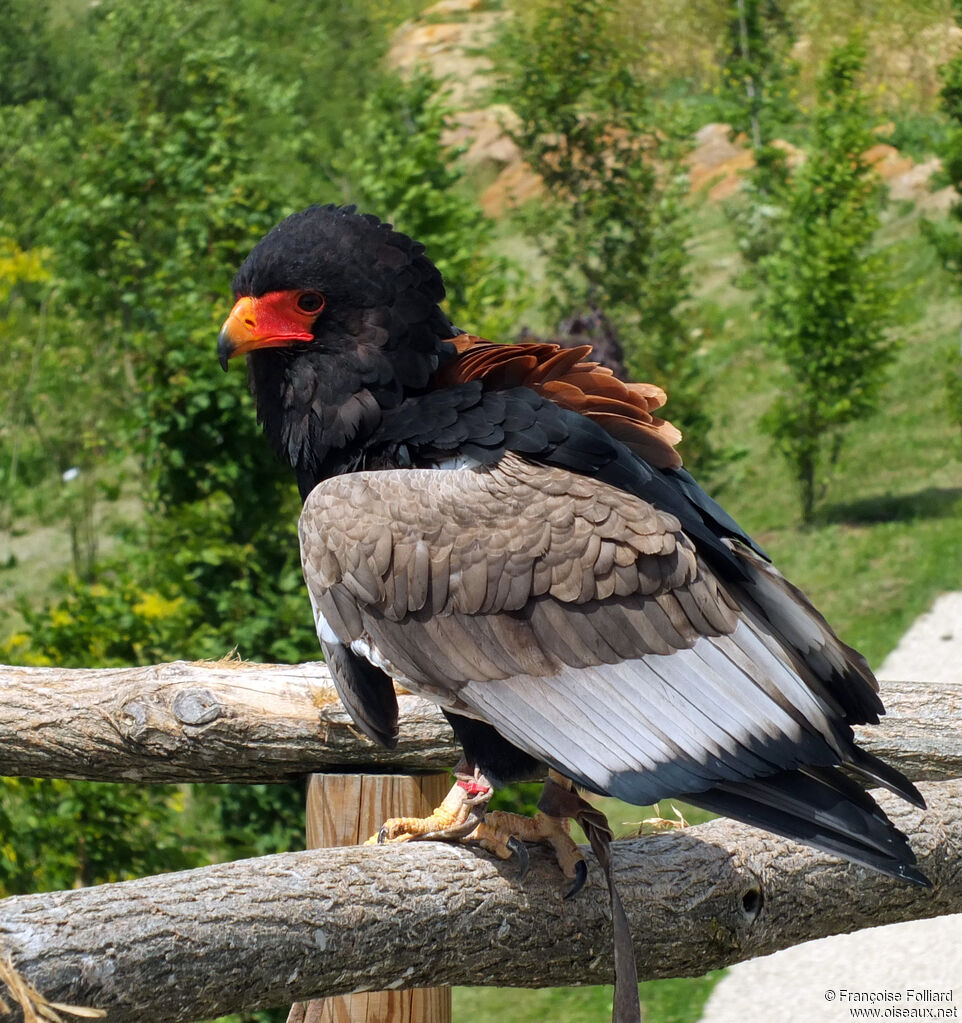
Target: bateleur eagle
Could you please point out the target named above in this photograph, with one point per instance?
(508, 531)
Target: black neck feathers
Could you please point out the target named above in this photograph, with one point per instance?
(319, 408)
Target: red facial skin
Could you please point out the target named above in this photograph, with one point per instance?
(278, 319)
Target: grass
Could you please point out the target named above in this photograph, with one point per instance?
(664, 1001)
(890, 523)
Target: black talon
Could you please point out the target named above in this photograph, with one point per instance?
(520, 850)
(382, 835)
(581, 876)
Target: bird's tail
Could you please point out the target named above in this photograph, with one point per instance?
(824, 808)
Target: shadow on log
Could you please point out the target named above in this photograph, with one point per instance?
(284, 928)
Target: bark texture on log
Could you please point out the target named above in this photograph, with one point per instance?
(239, 722)
(921, 733)
(285, 928)
(184, 721)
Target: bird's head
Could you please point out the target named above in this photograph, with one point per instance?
(339, 315)
(330, 275)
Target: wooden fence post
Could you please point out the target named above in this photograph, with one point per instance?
(346, 809)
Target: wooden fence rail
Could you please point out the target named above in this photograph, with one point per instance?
(231, 721)
(212, 722)
(287, 928)
(268, 931)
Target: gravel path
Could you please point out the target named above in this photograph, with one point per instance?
(793, 986)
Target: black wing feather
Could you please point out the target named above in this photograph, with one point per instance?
(366, 692)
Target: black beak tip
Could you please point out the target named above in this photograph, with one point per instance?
(225, 349)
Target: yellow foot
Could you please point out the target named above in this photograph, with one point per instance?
(461, 817)
(503, 834)
(457, 817)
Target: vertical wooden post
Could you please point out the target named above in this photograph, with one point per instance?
(346, 809)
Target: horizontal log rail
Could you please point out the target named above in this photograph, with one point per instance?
(266, 932)
(200, 721)
(239, 722)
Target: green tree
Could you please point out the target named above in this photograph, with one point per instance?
(180, 151)
(827, 299)
(30, 70)
(167, 191)
(167, 197)
(583, 128)
(398, 168)
(67, 834)
(20, 274)
(757, 72)
(758, 81)
(946, 235)
(611, 225)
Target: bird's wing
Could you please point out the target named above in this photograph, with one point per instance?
(575, 618)
(366, 692)
(567, 377)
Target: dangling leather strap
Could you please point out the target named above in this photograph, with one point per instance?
(558, 801)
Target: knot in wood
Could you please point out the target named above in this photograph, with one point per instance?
(196, 707)
(752, 900)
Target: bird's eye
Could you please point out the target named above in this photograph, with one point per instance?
(310, 301)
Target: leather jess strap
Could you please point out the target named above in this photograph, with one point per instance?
(558, 801)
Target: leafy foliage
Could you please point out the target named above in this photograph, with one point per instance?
(162, 189)
(30, 71)
(827, 299)
(21, 272)
(759, 80)
(110, 623)
(398, 165)
(168, 164)
(947, 237)
(559, 68)
(756, 70)
(612, 225)
(167, 197)
(255, 820)
(67, 834)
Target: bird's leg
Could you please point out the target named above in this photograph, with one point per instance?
(502, 833)
(461, 816)
(460, 813)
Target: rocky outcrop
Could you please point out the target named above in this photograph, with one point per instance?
(451, 39)
(717, 164)
(453, 50)
(717, 161)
